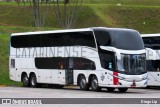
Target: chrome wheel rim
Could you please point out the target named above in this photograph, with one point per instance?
(33, 81)
(83, 83)
(25, 80)
(94, 84)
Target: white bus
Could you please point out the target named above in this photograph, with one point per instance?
(152, 41)
(90, 58)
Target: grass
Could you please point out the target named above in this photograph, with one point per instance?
(125, 2)
(4, 53)
(142, 15)
(4, 76)
(113, 2)
(144, 19)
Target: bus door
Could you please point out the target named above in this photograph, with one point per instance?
(61, 73)
(69, 70)
(61, 77)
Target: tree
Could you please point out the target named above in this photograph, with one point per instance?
(66, 12)
(39, 10)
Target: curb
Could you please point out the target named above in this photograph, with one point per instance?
(71, 87)
(3, 85)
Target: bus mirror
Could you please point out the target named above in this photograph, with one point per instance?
(150, 54)
(108, 48)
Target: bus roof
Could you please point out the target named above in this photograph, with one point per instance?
(150, 35)
(52, 31)
(67, 30)
(104, 28)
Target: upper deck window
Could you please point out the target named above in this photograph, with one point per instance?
(152, 42)
(85, 38)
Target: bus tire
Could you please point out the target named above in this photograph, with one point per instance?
(94, 84)
(83, 84)
(110, 89)
(25, 80)
(33, 81)
(122, 90)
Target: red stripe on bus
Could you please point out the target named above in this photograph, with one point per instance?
(115, 79)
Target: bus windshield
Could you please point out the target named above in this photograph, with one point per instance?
(132, 64)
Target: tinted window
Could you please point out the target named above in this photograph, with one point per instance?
(102, 38)
(12, 63)
(54, 39)
(107, 59)
(121, 39)
(62, 63)
(50, 63)
(152, 42)
(83, 64)
(153, 65)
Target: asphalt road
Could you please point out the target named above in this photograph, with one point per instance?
(74, 92)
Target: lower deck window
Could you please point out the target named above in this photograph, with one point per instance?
(75, 63)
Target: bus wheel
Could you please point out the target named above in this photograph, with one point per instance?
(25, 80)
(122, 90)
(110, 89)
(94, 84)
(33, 81)
(83, 84)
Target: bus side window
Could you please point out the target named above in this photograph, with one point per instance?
(107, 59)
(151, 66)
(84, 64)
(12, 63)
(108, 65)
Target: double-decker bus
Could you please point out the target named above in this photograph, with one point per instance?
(92, 58)
(152, 41)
